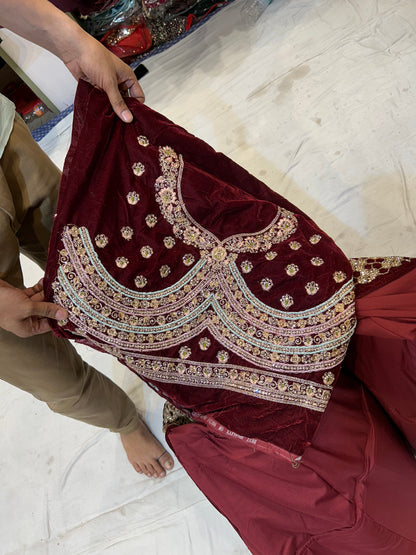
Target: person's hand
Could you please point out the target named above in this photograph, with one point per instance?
(24, 311)
(91, 61)
(42, 23)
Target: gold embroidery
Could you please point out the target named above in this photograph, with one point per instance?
(367, 270)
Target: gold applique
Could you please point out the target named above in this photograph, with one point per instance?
(271, 255)
(367, 270)
(173, 416)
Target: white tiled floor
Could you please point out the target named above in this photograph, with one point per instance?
(319, 101)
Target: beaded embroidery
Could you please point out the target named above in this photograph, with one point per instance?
(313, 340)
(133, 197)
(164, 271)
(367, 270)
(142, 140)
(246, 266)
(151, 220)
(212, 297)
(140, 281)
(266, 284)
(169, 242)
(126, 233)
(146, 251)
(121, 262)
(138, 169)
(101, 241)
(188, 259)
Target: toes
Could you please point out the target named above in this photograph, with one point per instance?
(166, 461)
(137, 468)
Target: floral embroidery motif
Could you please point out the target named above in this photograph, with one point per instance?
(315, 239)
(295, 245)
(246, 266)
(317, 261)
(126, 233)
(367, 270)
(133, 197)
(188, 259)
(169, 242)
(101, 240)
(169, 198)
(122, 261)
(286, 301)
(139, 327)
(140, 281)
(146, 251)
(328, 378)
(339, 276)
(151, 220)
(266, 284)
(292, 269)
(138, 168)
(223, 356)
(271, 255)
(142, 140)
(312, 288)
(164, 271)
(185, 352)
(219, 253)
(204, 343)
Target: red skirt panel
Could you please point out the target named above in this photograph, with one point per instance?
(385, 349)
(352, 493)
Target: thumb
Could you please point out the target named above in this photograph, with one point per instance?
(48, 310)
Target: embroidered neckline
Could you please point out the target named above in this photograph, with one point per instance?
(169, 197)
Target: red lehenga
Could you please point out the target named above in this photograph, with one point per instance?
(234, 306)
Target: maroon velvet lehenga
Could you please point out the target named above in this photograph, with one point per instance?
(238, 310)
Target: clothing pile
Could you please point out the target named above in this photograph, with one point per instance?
(130, 28)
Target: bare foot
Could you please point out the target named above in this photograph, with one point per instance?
(146, 453)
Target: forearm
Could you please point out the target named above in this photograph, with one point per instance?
(42, 23)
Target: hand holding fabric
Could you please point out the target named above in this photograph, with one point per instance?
(24, 312)
(42, 23)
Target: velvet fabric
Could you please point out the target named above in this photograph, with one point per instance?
(225, 210)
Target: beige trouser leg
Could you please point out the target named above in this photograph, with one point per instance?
(45, 366)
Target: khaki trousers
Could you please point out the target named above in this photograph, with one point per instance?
(45, 366)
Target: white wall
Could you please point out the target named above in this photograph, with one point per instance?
(43, 68)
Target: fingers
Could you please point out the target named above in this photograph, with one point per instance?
(47, 310)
